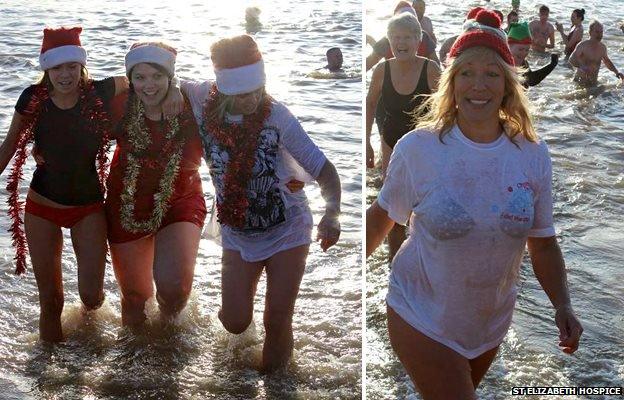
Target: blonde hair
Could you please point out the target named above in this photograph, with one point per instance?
(439, 111)
(225, 103)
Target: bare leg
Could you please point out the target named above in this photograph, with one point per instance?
(284, 273)
(45, 244)
(174, 265)
(437, 371)
(239, 280)
(480, 365)
(133, 264)
(89, 240)
(397, 235)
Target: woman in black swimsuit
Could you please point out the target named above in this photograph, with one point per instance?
(402, 83)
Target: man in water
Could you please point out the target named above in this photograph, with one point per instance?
(589, 54)
(542, 31)
(334, 59)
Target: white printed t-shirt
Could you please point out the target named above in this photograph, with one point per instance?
(276, 219)
(472, 207)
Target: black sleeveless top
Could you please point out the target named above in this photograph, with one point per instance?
(65, 142)
(398, 107)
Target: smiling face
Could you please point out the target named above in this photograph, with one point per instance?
(403, 42)
(246, 103)
(520, 52)
(479, 88)
(65, 78)
(150, 84)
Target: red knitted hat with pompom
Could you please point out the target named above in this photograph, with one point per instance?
(484, 30)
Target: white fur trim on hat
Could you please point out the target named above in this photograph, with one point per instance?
(150, 54)
(472, 24)
(62, 54)
(245, 79)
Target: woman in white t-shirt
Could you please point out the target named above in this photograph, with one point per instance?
(254, 148)
(475, 182)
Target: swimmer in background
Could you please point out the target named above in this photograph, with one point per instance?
(588, 56)
(576, 31)
(334, 59)
(542, 31)
(252, 20)
(425, 22)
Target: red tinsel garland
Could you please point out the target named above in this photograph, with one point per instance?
(241, 142)
(92, 110)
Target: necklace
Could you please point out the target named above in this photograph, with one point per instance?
(241, 142)
(139, 139)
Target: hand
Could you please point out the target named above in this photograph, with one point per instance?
(570, 329)
(619, 75)
(37, 156)
(370, 156)
(559, 26)
(328, 231)
(294, 185)
(173, 103)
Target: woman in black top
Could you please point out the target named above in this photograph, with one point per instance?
(401, 82)
(65, 114)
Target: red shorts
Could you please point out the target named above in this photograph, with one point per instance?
(187, 209)
(64, 217)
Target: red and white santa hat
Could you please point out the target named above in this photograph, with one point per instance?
(151, 52)
(238, 65)
(484, 30)
(61, 45)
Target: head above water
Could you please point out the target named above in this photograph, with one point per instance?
(596, 30)
(578, 15)
(544, 13)
(334, 58)
(512, 17)
(419, 6)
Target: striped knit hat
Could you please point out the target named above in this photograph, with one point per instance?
(485, 30)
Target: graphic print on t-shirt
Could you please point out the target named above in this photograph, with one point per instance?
(517, 217)
(266, 207)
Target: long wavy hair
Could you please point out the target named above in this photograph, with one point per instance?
(439, 111)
